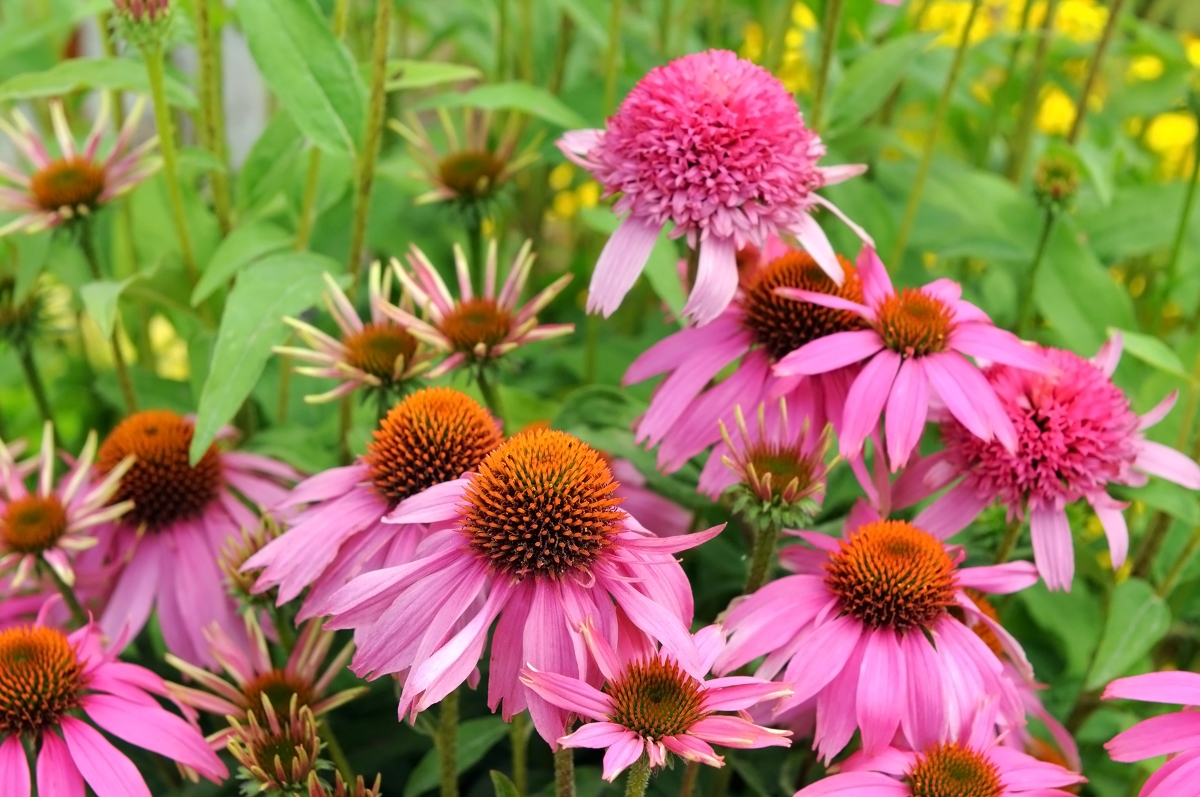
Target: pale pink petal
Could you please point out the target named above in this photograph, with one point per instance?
(621, 755)
(1115, 529)
(1169, 733)
(596, 735)
(690, 748)
(716, 280)
(1167, 463)
(570, 693)
(433, 504)
(816, 243)
(620, 263)
(731, 731)
(833, 175)
(1052, 547)
(576, 144)
(1109, 355)
(1003, 579)
(738, 693)
(104, 767)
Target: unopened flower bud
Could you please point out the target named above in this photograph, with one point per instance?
(1056, 180)
(318, 789)
(142, 22)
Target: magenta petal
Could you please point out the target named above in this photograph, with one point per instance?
(1002, 579)
(924, 717)
(690, 748)
(951, 378)
(866, 400)
(1116, 531)
(881, 690)
(907, 408)
(596, 735)
(986, 342)
(1052, 548)
(1182, 688)
(156, 730)
(877, 285)
(830, 353)
(14, 768)
(431, 505)
(57, 775)
(570, 693)
(1169, 733)
(104, 767)
(951, 513)
(716, 280)
(1024, 773)
(820, 660)
(856, 784)
(620, 263)
(730, 731)
(1176, 778)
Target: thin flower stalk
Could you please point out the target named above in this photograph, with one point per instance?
(829, 35)
(612, 56)
(1185, 217)
(1089, 82)
(1029, 104)
(212, 118)
(447, 744)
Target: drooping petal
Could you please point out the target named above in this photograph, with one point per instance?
(104, 767)
(866, 401)
(1167, 463)
(881, 690)
(620, 263)
(57, 775)
(1052, 548)
(14, 767)
(907, 408)
(716, 280)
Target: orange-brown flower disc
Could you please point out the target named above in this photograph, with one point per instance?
(40, 679)
(913, 323)
(783, 463)
(891, 574)
(656, 698)
(278, 687)
(163, 486)
(949, 770)
(476, 321)
(543, 503)
(375, 347)
(72, 183)
(432, 436)
(470, 174)
(33, 524)
(782, 325)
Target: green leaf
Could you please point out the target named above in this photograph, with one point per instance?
(503, 786)
(515, 96)
(22, 35)
(100, 300)
(311, 72)
(1137, 619)
(404, 74)
(282, 284)
(475, 737)
(869, 81)
(270, 162)
(245, 245)
(1153, 352)
(78, 74)
(201, 159)
(1073, 618)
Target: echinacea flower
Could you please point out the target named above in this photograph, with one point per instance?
(78, 182)
(1176, 735)
(650, 705)
(865, 626)
(376, 355)
(473, 169)
(52, 524)
(316, 788)
(52, 684)
(475, 330)
(916, 346)
(974, 766)
(535, 538)
(759, 328)
(1076, 434)
(255, 677)
(432, 437)
(168, 544)
(279, 754)
(714, 145)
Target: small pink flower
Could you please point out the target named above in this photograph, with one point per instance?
(714, 145)
(52, 684)
(915, 344)
(650, 704)
(1176, 735)
(536, 542)
(865, 627)
(1076, 434)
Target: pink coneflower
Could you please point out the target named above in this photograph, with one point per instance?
(51, 524)
(651, 705)
(974, 766)
(182, 514)
(915, 344)
(77, 182)
(376, 355)
(716, 146)
(1076, 434)
(536, 539)
(256, 678)
(49, 683)
(760, 328)
(475, 330)
(1176, 735)
(433, 436)
(866, 627)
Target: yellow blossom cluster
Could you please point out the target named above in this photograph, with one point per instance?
(794, 69)
(568, 200)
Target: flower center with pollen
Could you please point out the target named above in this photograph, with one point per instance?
(784, 465)
(40, 679)
(782, 325)
(472, 174)
(542, 503)
(278, 687)
(375, 348)
(476, 323)
(434, 435)
(163, 485)
(914, 324)
(656, 698)
(71, 183)
(949, 770)
(33, 524)
(891, 574)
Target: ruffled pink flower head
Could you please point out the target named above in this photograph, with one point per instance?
(1076, 434)
(53, 687)
(714, 145)
(169, 544)
(651, 705)
(760, 328)
(865, 627)
(1175, 735)
(916, 347)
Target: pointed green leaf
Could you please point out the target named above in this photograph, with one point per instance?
(1137, 619)
(404, 74)
(245, 245)
(504, 787)
(100, 299)
(1152, 352)
(514, 96)
(870, 79)
(78, 74)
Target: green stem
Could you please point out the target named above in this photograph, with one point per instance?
(87, 244)
(591, 343)
(25, 354)
(939, 118)
(285, 386)
(309, 202)
(519, 731)
(1029, 103)
(1000, 99)
(1025, 300)
(1151, 544)
(664, 27)
(564, 772)
(760, 562)
(527, 37)
(502, 39)
(365, 171)
(166, 143)
(345, 423)
(639, 777)
(829, 33)
(720, 782)
(334, 748)
(491, 396)
(1180, 235)
(690, 775)
(611, 55)
(778, 29)
(68, 596)
(283, 627)
(212, 119)
(1011, 534)
(716, 16)
(447, 744)
(1089, 82)
(474, 223)
(1181, 562)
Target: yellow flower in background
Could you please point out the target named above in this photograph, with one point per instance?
(1144, 67)
(561, 176)
(1191, 46)
(1081, 20)
(1056, 113)
(567, 202)
(950, 18)
(170, 351)
(803, 17)
(588, 194)
(794, 71)
(752, 42)
(1172, 137)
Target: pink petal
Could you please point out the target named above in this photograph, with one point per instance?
(131, 601)
(1167, 463)
(157, 730)
(877, 284)
(856, 784)
(1176, 778)
(951, 513)
(621, 755)
(816, 243)
(14, 767)
(1110, 354)
(1052, 547)
(881, 690)
(1169, 733)
(431, 505)
(620, 263)
(970, 398)
(866, 400)
(737, 732)
(716, 280)
(596, 735)
(570, 693)
(738, 693)
(819, 661)
(57, 775)
(1115, 529)
(924, 718)
(826, 300)
(670, 352)
(907, 408)
(1002, 579)
(1182, 688)
(1160, 411)
(104, 767)
(690, 748)
(1024, 773)
(986, 342)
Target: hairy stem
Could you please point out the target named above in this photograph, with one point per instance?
(1089, 82)
(212, 117)
(564, 772)
(447, 744)
(639, 777)
(690, 775)
(764, 550)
